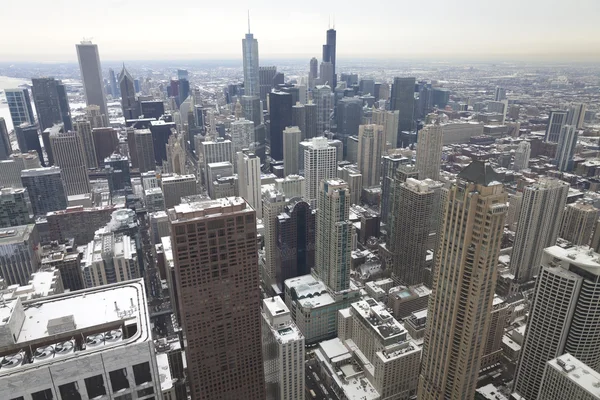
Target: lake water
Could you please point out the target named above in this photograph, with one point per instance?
(9, 83)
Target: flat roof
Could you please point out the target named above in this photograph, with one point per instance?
(577, 372)
(15, 234)
(581, 256)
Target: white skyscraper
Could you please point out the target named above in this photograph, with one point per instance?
(566, 148)
(69, 155)
(250, 58)
(242, 134)
(371, 142)
(429, 151)
(273, 204)
(323, 98)
(248, 167)
(522, 156)
(319, 163)
(292, 136)
(91, 74)
(564, 318)
(389, 120)
(283, 352)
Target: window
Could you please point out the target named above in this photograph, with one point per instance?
(118, 380)
(124, 397)
(42, 395)
(141, 373)
(69, 391)
(18, 398)
(95, 386)
(145, 392)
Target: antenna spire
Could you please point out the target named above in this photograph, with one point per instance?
(333, 21)
(248, 21)
(329, 22)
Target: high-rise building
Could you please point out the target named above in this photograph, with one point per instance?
(10, 170)
(291, 185)
(213, 151)
(19, 106)
(329, 53)
(566, 377)
(273, 203)
(556, 121)
(215, 171)
(265, 78)
(348, 117)
(242, 134)
(334, 235)
(19, 253)
(251, 69)
(299, 118)
(578, 222)
(129, 104)
(566, 148)
(539, 221)
(114, 87)
(323, 99)
(161, 132)
(95, 117)
(429, 151)
(326, 73)
(49, 101)
(28, 139)
(292, 136)
(320, 162)
(15, 207)
(84, 128)
(522, 156)
(5, 146)
(313, 73)
(78, 223)
(178, 186)
(144, 150)
(389, 120)
(388, 172)
(576, 115)
(464, 283)
(248, 169)
(371, 140)
(402, 98)
(283, 352)
(310, 112)
(45, 188)
(280, 109)
(352, 176)
(414, 217)
(563, 317)
(221, 363)
(91, 74)
(69, 155)
(500, 94)
(106, 142)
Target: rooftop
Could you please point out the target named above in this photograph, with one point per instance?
(376, 316)
(309, 291)
(578, 373)
(582, 256)
(15, 234)
(481, 173)
(207, 208)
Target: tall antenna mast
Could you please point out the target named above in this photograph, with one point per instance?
(248, 21)
(329, 22)
(333, 21)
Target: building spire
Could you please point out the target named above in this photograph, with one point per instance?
(248, 21)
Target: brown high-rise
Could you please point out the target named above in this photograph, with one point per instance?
(459, 312)
(216, 265)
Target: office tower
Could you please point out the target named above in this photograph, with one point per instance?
(291, 186)
(563, 315)
(500, 94)
(371, 140)
(280, 105)
(429, 151)
(265, 78)
(273, 203)
(28, 140)
(15, 207)
(19, 255)
(214, 171)
(221, 363)
(299, 118)
(500, 108)
(45, 188)
(94, 117)
(152, 109)
(144, 150)
(215, 151)
(119, 164)
(69, 155)
(493, 353)
(464, 283)
(556, 121)
(312, 72)
(283, 352)
(389, 120)
(250, 59)
(522, 156)
(242, 134)
(367, 86)
(176, 155)
(576, 115)
(252, 109)
(176, 187)
(539, 221)
(292, 136)
(348, 117)
(352, 176)
(578, 222)
(91, 74)
(326, 74)
(19, 106)
(114, 87)
(567, 142)
(414, 211)
(514, 209)
(84, 128)
(334, 235)
(248, 169)
(65, 110)
(184, 90)
(161, 131)
(323, 99)
(129, 104)
(10, 170)
(388, 171)
(310, 111)
(154, 200)
(71, 359)
(329, 51)
(403, 99)
(319, 163)
(295, 241)
(47, 104)
(78, 222)
(106, 142)
(5, 147)
(566, 377)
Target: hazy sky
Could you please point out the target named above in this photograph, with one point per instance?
(42, 30)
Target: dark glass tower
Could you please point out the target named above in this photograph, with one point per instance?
(129, 105)
(280, 104)
(50, 98)
(28, 140)
(329, 53)
(348, 118)
(403, 99)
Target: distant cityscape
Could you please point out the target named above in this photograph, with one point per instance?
(321, 228)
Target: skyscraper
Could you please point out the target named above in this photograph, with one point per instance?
(299, 118)
(562, 380)
(566, 148)
(47, 96)
(265, 77)
(324, 101)
(280, 105)
(348, 117)
(5, 146)
(95, 118)
(464, 283)
(578, 222)
(334, 235)
(319, 163)
(326, 73)
(69, 155)
(19, 255)
(177, 186)
(28, 139)
(250, 59)
(273, 203)
(390, 165)
(45, 188)
(248, 169)
(403, 99)
(371, 141)
(91, 74)
(541, 214)
(329, 50)
(556, 121)
(429, 151)
(310, 112)
(500, 94)
(15, 207)
(114, 87)
(129, 104)
(522, 156)
(389, 120)
(19, 105)
(313, 73)
(292, 136)
(242, 134)
(563, 316)
(144, 150)
(220, 303)
(84, 128)
(576, 115)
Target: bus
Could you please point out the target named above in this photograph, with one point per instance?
(313, 394)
